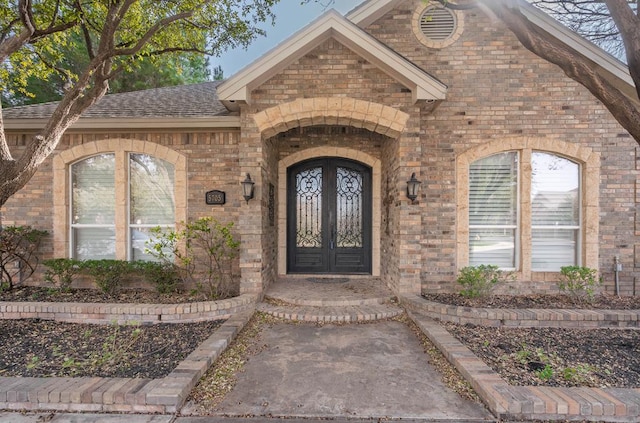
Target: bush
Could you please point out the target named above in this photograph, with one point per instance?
(61, 272)
(202, 253)
(580, 283)
(163, 276)
(108, 274)
(478, 281)
(18, 245)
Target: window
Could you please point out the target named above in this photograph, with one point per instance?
(93, 208)
(555, 212)
(499, 219)
(493, 210)
(151, 200)
(96, 221)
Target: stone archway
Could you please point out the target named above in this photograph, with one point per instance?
(345, 111)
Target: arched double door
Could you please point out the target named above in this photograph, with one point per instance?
(329, 217)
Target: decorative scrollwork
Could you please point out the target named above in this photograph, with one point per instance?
(349, 193)
(309, 208)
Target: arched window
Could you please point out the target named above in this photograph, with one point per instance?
(98, 221)
(541, 229)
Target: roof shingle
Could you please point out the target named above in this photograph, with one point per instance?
(194, 100)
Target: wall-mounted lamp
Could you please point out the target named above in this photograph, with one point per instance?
(413, 185)
(247, 188)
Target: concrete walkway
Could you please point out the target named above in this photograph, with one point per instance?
(375, 370)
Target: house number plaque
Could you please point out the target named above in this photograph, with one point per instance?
(215, 197)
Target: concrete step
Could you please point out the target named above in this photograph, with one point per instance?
(331, 314)
(325, 302)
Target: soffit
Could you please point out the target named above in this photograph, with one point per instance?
(331, 25)
(370, 11)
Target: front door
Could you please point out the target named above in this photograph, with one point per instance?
(329, 217)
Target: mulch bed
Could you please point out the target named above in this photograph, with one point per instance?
(556, 357)
(552, 356)
(137, 296)
(39, 348)
(607, 302)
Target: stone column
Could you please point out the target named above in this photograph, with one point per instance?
(251, 214)
(409, 248)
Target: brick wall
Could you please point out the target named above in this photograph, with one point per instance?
(212, 163)
(497, 89)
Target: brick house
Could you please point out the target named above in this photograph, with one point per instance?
(519, 165)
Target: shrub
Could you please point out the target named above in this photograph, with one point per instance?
(18, 245)
(580, 283)
(478, 281)
(163, 276)
(202, 252)
(107, 274)
(61, 272)
(580, 374)
(546, 373)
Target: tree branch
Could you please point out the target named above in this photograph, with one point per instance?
(151, 32)
(575, 65)
(15, 42)
(629, 26)
(30, 32)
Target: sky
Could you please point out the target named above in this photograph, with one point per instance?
(290, 17)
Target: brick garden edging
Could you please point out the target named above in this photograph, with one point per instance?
(525, 402)
(122, 313)
(531, 317)
(166, 395)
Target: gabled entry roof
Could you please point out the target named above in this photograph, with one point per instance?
(331, 25)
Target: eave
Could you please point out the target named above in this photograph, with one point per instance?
(214, 122)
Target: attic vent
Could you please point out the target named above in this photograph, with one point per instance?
(437, 23)
(436, 26)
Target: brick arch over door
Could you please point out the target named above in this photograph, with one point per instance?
(345, 111)
(590, 184)
(63, 161)
(346, 153)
